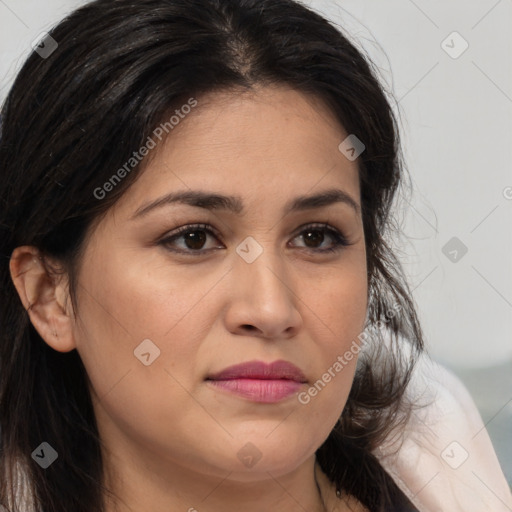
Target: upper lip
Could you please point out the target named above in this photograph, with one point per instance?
(261, 370)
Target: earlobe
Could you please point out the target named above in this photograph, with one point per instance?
(42, 294)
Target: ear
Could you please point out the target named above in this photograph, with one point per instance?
(44, 295)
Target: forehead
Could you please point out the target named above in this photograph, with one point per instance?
(267, 144)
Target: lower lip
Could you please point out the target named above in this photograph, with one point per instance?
(259, 390)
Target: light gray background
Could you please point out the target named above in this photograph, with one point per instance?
(456, 116)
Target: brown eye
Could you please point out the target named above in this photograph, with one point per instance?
(313, 238)
(193, 238)
(315, 235)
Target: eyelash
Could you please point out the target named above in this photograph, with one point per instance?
(339, 243)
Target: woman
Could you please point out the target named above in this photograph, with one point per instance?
(200, 310)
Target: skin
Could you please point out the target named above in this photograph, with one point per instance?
(170, 439)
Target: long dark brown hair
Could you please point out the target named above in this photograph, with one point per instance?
(74, 117)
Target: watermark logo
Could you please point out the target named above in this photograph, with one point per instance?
(146, 352)
(351, 147)
(249, 250)
(454, 45)
(454, 249)
(249, 455)
(454, 455)
(44, 45)
(45, 455)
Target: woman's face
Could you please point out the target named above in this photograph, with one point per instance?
(160, 312)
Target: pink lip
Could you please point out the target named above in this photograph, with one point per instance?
(260, 382)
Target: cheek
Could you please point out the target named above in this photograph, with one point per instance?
(119, 308)
(336, 312)
(337, 304)
(122, 305)
(141, 298)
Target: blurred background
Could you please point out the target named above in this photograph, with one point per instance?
(449, 67)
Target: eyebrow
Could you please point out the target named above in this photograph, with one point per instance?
(212, 201)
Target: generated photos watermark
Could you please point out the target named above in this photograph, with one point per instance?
(136, 158)
(342, 361)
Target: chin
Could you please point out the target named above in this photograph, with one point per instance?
(255, 456)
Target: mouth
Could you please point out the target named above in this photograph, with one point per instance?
(258, 381)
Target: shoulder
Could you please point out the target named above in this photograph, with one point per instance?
(444, 459)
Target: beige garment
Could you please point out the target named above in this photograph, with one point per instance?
(446, 462)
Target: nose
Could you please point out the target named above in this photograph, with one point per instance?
(262, 302)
